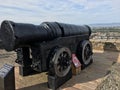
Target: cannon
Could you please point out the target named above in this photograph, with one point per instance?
(48, 47)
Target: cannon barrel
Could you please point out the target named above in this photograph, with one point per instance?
(14, 35)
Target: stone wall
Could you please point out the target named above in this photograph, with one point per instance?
(109, 45)
(112, 80)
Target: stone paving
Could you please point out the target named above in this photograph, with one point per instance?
(88, 79)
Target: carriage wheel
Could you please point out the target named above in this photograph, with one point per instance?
(84, 52)
(61, 61)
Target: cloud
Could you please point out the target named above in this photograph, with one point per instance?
(68, 11)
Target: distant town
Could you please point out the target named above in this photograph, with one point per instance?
(106, 31)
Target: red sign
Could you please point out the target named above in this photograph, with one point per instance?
(75, 61)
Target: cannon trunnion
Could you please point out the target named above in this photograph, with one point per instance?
(48, 47)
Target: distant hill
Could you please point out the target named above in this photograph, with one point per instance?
(105, 25)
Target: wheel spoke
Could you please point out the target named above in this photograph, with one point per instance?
(87, 52)
(63, 61)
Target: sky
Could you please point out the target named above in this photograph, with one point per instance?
(66, 11)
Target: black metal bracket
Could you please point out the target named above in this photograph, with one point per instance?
(23, 58)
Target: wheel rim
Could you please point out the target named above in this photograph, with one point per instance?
(62, 62)
(87, 53)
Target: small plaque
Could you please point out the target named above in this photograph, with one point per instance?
(75, 61)
(7, 79)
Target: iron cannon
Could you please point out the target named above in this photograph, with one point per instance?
(47, 47)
